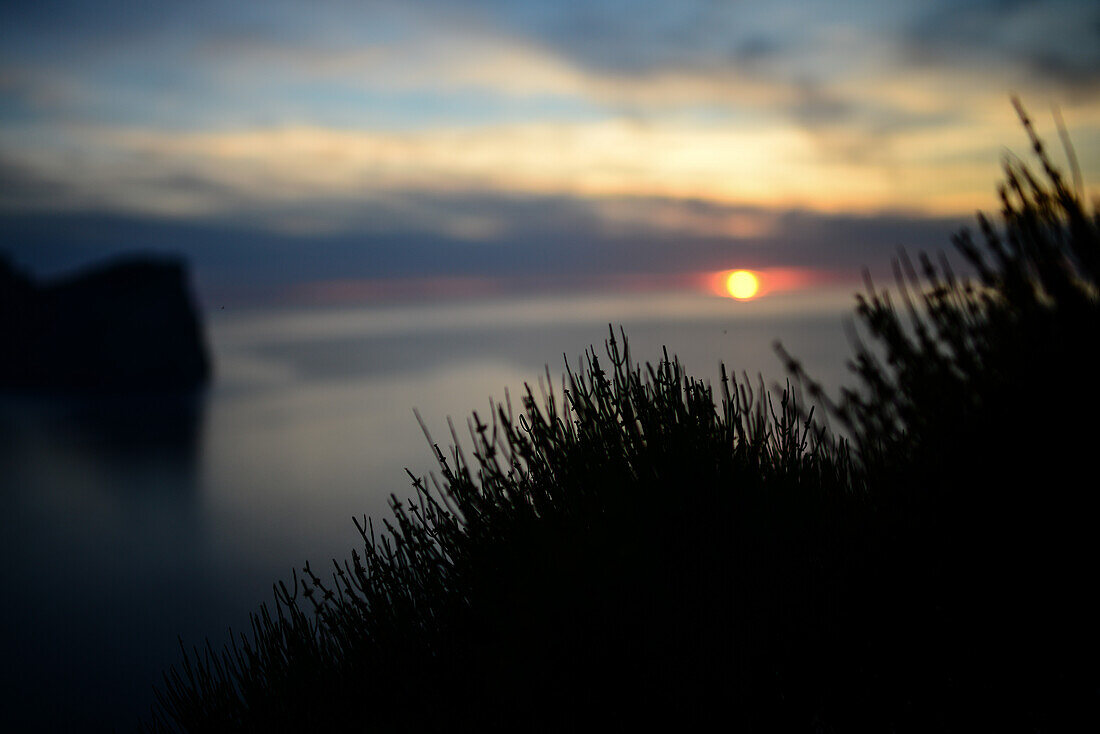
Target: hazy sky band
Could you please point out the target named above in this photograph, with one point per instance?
(468, 122)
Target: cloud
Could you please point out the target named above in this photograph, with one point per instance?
(1054, 44)
(853, 79)
(862, 70)
(492, 136)
(282, 171)
(537, 242)
(23, 189)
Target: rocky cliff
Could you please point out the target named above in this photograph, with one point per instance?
(126, 326)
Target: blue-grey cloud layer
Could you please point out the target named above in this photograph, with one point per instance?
(557, 239)
(151, 48)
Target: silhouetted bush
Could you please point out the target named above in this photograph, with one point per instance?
(973, 427)
(632, 552)
(589, 560)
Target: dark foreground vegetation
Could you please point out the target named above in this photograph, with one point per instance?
(640, 550)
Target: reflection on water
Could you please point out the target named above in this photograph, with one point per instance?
(99, 542)
(129, 522)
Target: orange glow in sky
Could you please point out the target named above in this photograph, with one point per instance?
(743, 284)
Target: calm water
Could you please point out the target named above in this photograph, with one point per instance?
(130, 523)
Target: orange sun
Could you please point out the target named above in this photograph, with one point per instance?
(742, 285)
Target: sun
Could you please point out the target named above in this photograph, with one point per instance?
(742, 285)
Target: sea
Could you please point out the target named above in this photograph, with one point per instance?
(137, 526)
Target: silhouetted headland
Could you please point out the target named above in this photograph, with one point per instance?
(126, 326)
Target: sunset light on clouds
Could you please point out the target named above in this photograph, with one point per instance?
(481, 140)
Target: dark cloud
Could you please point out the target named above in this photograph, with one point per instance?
(630, 37)
(21, 186)
(853, 242)
(755, 50)
(814, 105)
(559, 238)
(1055, 43)
(792, 45)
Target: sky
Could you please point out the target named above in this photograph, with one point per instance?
(331, 151)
